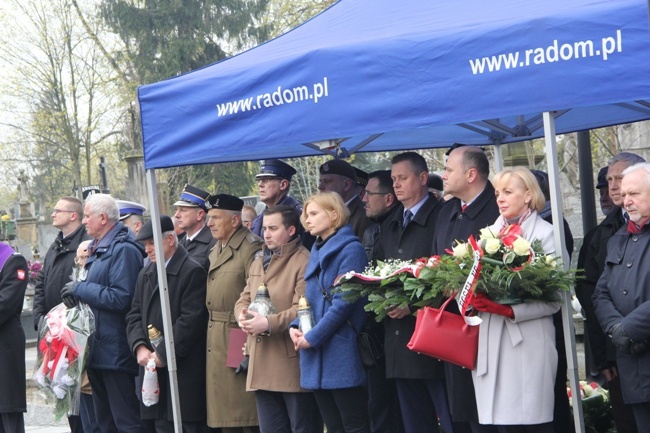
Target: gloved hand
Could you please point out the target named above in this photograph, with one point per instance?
(243, 365)
(67, 295)
(640, 347)
(620, 338)
(480, 302)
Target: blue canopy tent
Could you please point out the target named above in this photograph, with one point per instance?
(372, 75)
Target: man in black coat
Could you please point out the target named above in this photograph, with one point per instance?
(592, 260)
(191, 216)
(186, 281)
(472, 207)
(59, 259)
(58, 265)
(622, 296)
(13, 284)
(420, 379)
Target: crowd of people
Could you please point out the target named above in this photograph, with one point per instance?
(219, 256)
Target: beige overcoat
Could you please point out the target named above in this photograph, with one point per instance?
(228, 403)
(274, 364)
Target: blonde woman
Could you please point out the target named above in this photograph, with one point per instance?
(329, 359)
(517, 359)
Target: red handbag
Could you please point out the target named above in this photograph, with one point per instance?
(444, 335)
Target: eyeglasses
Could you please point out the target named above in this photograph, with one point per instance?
(376, 193)
(62, 210)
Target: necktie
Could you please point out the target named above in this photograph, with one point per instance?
(463, 207)
(408, 216)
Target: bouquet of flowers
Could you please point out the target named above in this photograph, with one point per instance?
(596, 407)
(62, 350)
(505, 267)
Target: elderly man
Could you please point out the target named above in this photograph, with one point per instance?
(340, 177)
(131, 214)
(113, 265)
(592, 260)
(420, 379)
(186, 280)
(274, 370)
(229, 405)
(622, 296)
(471, 207)
(190, 215)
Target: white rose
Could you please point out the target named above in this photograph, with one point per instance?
(486, 233)
(521, 247)
(460, 250)
(550, 259)
(492, 245)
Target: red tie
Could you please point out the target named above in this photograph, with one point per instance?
(463, 207)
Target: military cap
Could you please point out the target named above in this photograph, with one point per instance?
(275, 168)
(128, 208)
(602, 178)
(435, 182)
(146, 232)
(362, 177)
(225, 202)
(338, 166)
(193, 197)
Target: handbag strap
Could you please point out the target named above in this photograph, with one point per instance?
(328, 298)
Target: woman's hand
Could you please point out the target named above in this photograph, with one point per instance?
(255, 326)
(399, 313)
(299, 340)
(482, 303)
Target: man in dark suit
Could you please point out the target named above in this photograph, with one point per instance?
(419, 379)
(471, 208)
(186, 282)
(191, 215)
(340, 177)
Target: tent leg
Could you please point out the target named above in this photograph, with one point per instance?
(498, 157)
(558, 229)
(164, 300)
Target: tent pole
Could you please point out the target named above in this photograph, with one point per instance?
(163, 289)
(498, 157)
(558, 232)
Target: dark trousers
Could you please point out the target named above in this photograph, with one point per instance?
(87, 414)
(284, 412)
(12, 422)
(383, 404)
(562, 418)
(642, 416)
(117, 409)
(166, 426)
(624, 416)
(424, 403)
(344, 410)
(75, 423)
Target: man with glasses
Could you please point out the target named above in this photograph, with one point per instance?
(58, 264)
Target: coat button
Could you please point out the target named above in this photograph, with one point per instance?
(209, 303)
(460, 216)
(210, 325)
(399, 251)
(259, 340)
(635, 238)
(625, 291)
(629, 265)
(209, 349)
(397, 332)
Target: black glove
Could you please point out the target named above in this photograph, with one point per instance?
(243, 366)
(639, 348)
(620, 339)
(67, 295)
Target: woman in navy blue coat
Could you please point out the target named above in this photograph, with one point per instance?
(329, 359)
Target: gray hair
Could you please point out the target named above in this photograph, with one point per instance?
(640, 166)
(627, 157)
(174, 235)
(104, 204)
